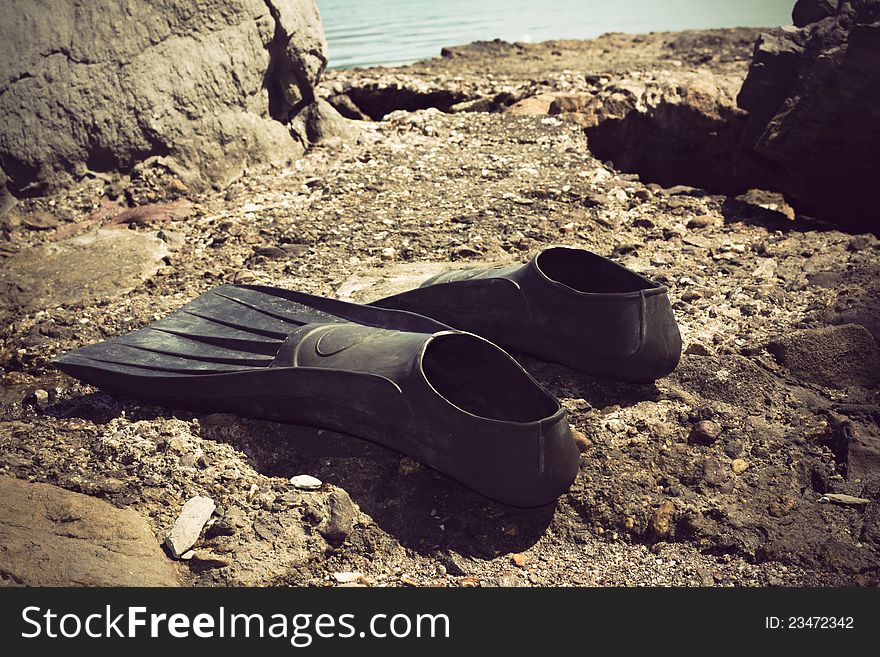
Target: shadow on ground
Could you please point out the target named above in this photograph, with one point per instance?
(424, 510)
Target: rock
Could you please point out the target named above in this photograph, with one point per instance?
(739, 466)
(324, 124)
(305, 482)
(74, 272)
(341, 517)
(801, 81)
(463, 251)
(661, 525)
(349, 577)
(408, 466)
(520, 559)
(375, 98)
(176, 187)
(154, 212)
(53, 537)
(782, 506)
(7, 200)
(216, 88)
(714, 474)
(346, 107)
(771, 204)
(505, 581)
(844, 500)
(704, 221)
(682, 127)
(40, 221)
(861, 242)
(580, 439)
(271, 252)
(295, 249)
(834, 356)
(533, 106)
(483, 104)
(219, 419)
(859, 450)
(206, 560)
(704, 432)
(567, 103)
(805, 12)
(695, 348)
(455, 564)
(41, 399)
(189, 524)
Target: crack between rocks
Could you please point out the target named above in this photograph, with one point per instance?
(8, 575)
(279, 108)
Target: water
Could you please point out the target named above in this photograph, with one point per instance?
(373, 32)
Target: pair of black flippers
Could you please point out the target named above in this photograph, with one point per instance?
(396, 371)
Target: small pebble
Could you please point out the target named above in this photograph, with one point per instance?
(695, 348)
(306, 482)
(661, 520)
(41, 399)
(704, 432)
(782, 506)
(739, 466)
(580, 439)
(520, 559)
(702, 221)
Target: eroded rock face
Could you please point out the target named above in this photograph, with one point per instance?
(102, 86)
(679, 128)
(813, 97)
(53, 537)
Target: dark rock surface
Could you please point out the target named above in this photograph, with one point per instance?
(102, 86)
(836, 356)
(813, 97)
(682, 129)
(812, 11)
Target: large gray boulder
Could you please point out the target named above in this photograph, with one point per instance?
(219, 85)
(813, 97)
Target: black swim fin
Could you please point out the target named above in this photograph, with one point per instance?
(566, 305)
(452, 400)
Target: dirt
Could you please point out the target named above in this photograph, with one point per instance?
(389, 202)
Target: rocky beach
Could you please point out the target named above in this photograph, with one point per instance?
(755, 463)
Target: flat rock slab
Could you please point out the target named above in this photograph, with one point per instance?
(53, 537)
(80, 270)
(189, 524)
(379, 283)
